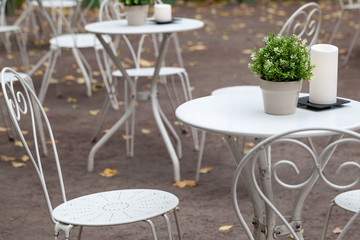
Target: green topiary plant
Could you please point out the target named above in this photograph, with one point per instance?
(136, 2)
(283, 59)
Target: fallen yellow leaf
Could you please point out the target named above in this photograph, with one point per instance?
(199, 47)
(226, 227)
(25, 158)
(337, 230)
(185, 183)
(17, 164)
(2, 129)
(71, 100)
(49, 142)
(292, 237)
(109, 172)
(225, 37)
(6, 158)
(250, 144)
(94, 112)
(18, 144)
(247, 51)
(145, 131)
(125, 137)
(80, 81)
(146, 63)
(69, 77)
(206, 170)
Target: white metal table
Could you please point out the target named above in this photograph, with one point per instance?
(120, 27)
(241, 114)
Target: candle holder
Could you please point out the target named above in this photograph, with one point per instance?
(162, 13)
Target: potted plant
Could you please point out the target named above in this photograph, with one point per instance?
(136, 11)
(282, 64)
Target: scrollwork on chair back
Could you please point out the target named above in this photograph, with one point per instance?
(284, 166)
(304, 23)
(21, 101)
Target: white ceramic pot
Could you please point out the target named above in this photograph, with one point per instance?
(136, 15)
(280, 98)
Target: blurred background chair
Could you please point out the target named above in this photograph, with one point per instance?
(305, 23)
(270, 171)
(113, 9)
(73, 41)
(98, 209)
(346, 5)
(6, 32)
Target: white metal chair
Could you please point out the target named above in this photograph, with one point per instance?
(114, 10)
(346, 5)
(98, 209)
(271, 170)
(305, 22)
(75, 42)
(5, 33)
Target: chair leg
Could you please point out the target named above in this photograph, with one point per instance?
(200, 156)
(6, 123)
(347, 226)
(336, 28)
(177, 224)
(80, 232)
(152, 228)
(54, 53)
(101, 119)
(20, 39)
(327, 218)
(172, 131)
(168, 225)
(86, 72)
(351, 46)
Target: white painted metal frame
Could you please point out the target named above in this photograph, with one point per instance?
(111, 10)
(75, 42)
(346, 5)
(5, 32)
(305, 23)
(99, 209)
(269, 220)
(108, 27)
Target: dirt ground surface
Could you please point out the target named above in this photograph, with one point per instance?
(215, 56)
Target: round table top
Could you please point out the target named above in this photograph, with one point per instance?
(121, 27)
(241, 113)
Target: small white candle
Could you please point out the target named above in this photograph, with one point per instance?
(162, 13)
(323, 86)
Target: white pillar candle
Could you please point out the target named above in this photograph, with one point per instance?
(323, 86)
(162, 13)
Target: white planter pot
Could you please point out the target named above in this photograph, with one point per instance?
(280, 98)
(136, 15)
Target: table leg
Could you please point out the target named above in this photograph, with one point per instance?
(127, 113)
(155, 109)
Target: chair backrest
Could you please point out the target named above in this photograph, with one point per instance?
(284, 167)
(21, 100)
(305, 23)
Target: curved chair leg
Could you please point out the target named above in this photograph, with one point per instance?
(172, 131)
(347, 226)
(54, 53)
(351, 46)
(83, 65)
(152, 228)
(200, 155)
(20, 39)
(336, 28)
(177, 224)
(327, 218)
(168, 225)
(103, 112)
(80, 232)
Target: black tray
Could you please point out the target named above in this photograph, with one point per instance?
(172, 21)
(305, 101)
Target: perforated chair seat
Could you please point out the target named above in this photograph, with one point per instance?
(115, 207)
(349, 200)
(82, 40)
(149, 71)
(8, 28)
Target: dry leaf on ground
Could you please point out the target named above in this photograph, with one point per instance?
(337, 230)
(25, 158)
(185, 183)
(109, 172)
(6, 158)
(145, 131)
(206, 170)
(226, 227)
(94, 112)
(17, 164)
(18, 144)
